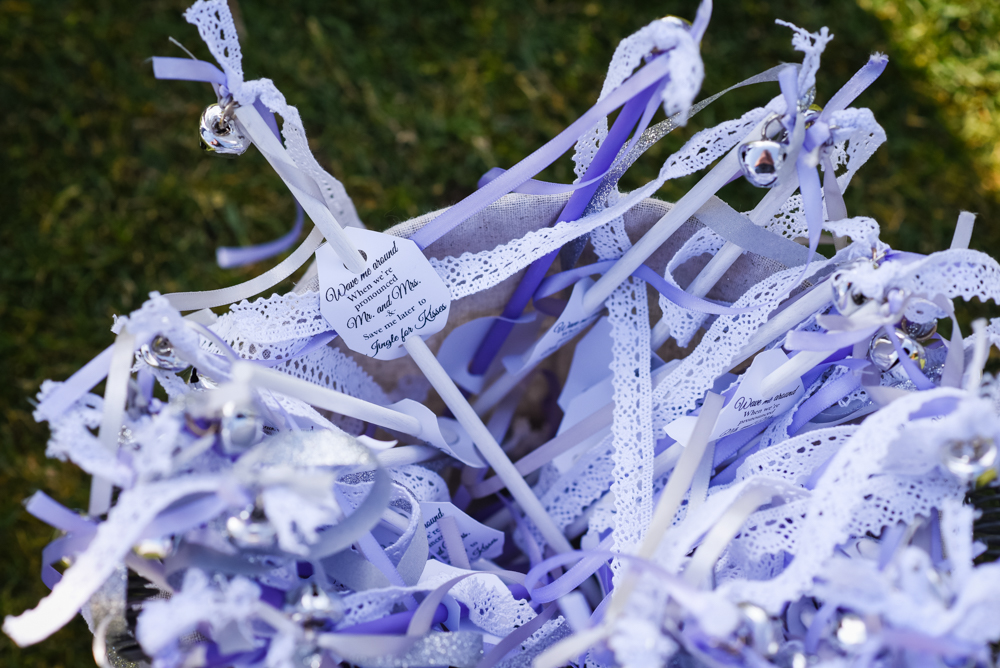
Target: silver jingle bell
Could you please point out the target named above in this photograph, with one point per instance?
(759, 629)
(239, 430)
(159, 353)
(250, 529)
(969, 459)
(882, 352)
(761, 160)
(154, 548)
(310, 658)
(220, 134)
(920, 331)
(201, 381)
(312, 603)
(845, 297)
(850, 631)
(677, 21)
(791, 655)
(805, 102)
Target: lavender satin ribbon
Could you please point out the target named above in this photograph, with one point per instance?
(560, 587)
(542, 157)
(81, 382)
(825, 397)
(562, 280)
(815, 137)
(818, 341)
(81, 530)
(184, 69)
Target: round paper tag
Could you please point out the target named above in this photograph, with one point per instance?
(396, 296)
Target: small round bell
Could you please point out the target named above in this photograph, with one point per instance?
(811, 112)
(250, 528)
(805, 101)
(760, 161)
(201, 381)
(845, 297)
(220, 134)
(791, 655)
(919, 331)
(309, 658)
(676, 21)
(311, 603)
(969, 459)
(159, 353)
(239, 429)
(882, 352)
(154, 548)
(759, 629)
(850, 631)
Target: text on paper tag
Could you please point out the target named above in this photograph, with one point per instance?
(396, 296)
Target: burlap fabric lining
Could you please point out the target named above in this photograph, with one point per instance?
(512, 217)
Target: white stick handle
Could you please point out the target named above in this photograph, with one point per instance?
(700, 568)
(791, 370)
(500, 388)
(487, 445)
(321, 397)
(685, 207)
(720, 263)
(278, 157)
(406, 454)
(670, 498)
(815, 300)
(660, 232)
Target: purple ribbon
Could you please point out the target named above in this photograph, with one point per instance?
(184, 69)
(825, 397)
(394, 624)
(589, 562)
(916, 376)
(646, 99)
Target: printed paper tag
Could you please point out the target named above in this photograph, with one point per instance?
(571, 322)
(747, 407)
(481, 542)
(397, 295)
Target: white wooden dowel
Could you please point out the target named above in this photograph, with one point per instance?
(402, 455)
(792, 369)
(487, 445)
(720, 263)
(321, 397)
(685, 207)
(660, 232)
(813, 301)
(275, 153)
(500, 388)
(659, 334)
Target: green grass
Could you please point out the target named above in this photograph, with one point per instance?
(106, 196)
